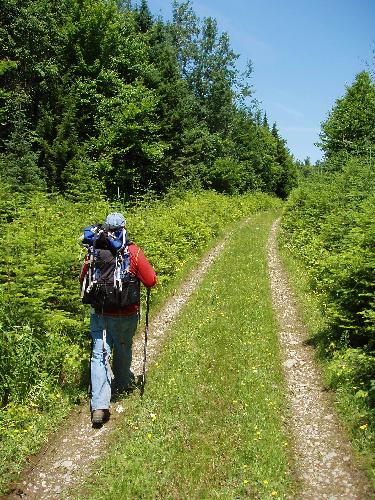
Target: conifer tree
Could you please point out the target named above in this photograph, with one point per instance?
(143, 17)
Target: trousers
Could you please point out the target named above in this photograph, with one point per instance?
(119, 340)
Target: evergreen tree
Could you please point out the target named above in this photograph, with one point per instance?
(143, 17)
(265, 121)
(100, 96)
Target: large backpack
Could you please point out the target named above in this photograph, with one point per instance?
(108, 283)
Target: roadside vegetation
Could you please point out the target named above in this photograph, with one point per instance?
(329, 228)
(212, 422)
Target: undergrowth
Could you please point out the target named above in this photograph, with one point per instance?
(353, 409)
(44, 327)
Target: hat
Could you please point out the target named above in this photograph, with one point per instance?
(115, 220)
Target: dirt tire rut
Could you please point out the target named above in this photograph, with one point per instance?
(326, 466)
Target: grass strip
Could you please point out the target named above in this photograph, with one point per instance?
(212, 421)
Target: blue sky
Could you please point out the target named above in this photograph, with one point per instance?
(304, 53)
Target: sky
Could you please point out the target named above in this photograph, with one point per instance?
(304, 54)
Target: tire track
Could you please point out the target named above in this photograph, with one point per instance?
(326, 466)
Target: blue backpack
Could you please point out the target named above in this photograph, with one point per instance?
(108, 284)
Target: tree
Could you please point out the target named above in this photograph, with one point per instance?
(350, 127)
(100, 95)
(185, 31)
(143, 17)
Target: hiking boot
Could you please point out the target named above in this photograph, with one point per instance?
(99, 417)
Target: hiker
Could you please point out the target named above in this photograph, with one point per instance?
(113, 324)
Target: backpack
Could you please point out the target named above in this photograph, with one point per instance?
(108, 283)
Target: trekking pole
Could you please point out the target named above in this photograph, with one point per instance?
(145, 343)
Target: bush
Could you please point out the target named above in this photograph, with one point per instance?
(329, 223)
(227, 176)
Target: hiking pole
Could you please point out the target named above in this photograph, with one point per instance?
(145, 343)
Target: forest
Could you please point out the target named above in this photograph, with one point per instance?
(100, 97)
(104, 106)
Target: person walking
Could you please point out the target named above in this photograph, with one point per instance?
(113, 327)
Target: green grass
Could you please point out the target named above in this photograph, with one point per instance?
(351, 409)
(212, 422)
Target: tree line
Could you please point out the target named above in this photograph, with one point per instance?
(101, 96)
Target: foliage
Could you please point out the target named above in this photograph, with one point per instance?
(350, 125)
(330, 220)
(100, 95)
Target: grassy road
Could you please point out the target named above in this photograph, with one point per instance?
(212, 422)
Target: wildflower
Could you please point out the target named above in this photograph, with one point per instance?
(265, 482)
(363, 427)
(273, 493)
(149, 435)
(245, 481)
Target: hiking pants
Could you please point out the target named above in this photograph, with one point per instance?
(119, 338)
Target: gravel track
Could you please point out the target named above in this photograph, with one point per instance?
(326, 466)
